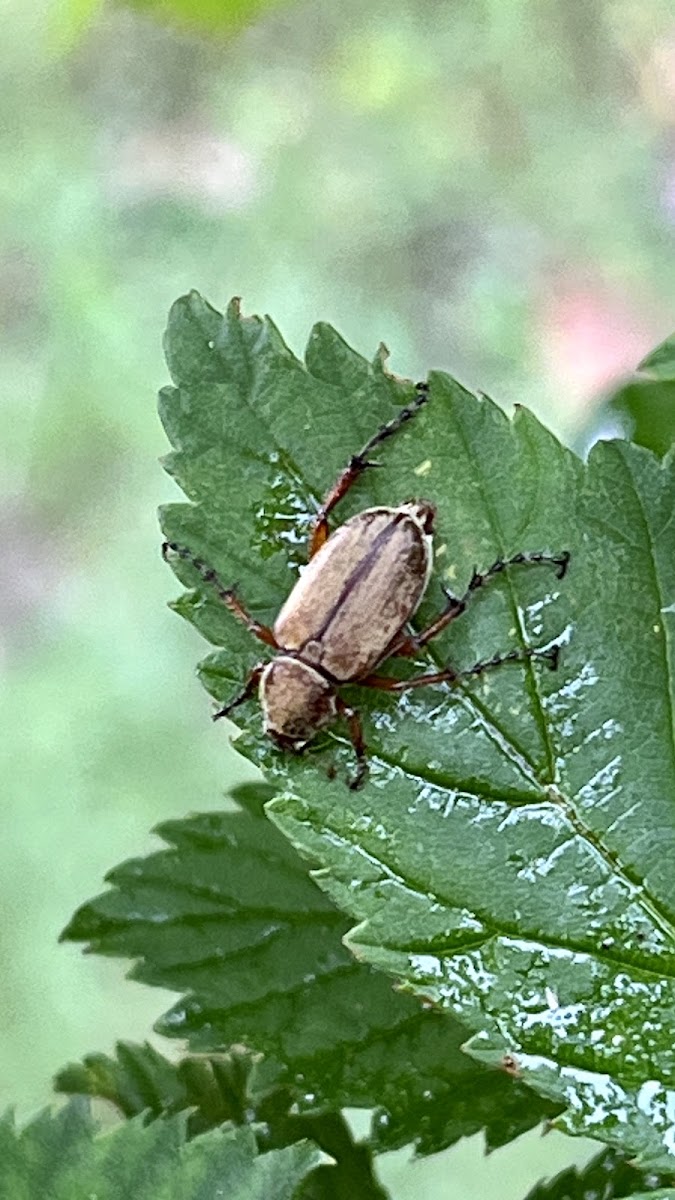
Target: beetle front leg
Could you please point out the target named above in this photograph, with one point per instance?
(245, 694)
(228, 595)
(452, 675)
(411, 644)
(360, 463)
(353, 720)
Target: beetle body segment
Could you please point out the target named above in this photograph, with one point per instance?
(296, 701)
(358, 591)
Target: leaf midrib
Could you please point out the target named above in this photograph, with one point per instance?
(493, 929)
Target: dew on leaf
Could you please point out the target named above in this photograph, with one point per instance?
(283, 516)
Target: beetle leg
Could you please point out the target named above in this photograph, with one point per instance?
(359, 463)
(451, 675)
(245, 694)
(410, 644)
(228, 595)
(356, 736)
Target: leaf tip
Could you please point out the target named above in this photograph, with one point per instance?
(381, 358)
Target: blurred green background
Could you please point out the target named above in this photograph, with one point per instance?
(488, 186)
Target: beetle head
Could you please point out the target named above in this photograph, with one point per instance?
(297, 702)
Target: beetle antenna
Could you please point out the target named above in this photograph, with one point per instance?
(245, 694)
(228, 595)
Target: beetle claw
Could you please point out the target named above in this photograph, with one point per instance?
(359, 779)
(357, 463)
(562, 564)
(552, 656)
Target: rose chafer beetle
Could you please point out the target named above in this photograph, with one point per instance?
(350, 611)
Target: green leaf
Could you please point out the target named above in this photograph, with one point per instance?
(233, 1087)
(230, 917)
(63, 1156)
(512, 854)
(141, 1080)
(660, 1194)
(660, 363)
(647, 399)
(607, 1177)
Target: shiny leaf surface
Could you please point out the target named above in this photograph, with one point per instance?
(229, 916)
(511, 857)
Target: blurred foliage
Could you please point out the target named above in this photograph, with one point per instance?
(647, 400)
(209, 14)
(488, 187)
(71, 19)
(234, 1087)
(64, 1155)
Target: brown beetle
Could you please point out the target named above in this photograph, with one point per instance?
(350, 610)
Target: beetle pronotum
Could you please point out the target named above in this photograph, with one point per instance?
(350, 611)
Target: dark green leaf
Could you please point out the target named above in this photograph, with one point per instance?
(649, 410)
(230, 917)
(647, 399)
(141, 1080)
(63, 1156)
(233, 1087)
(512, 854)
(607, 1177)
(660, 363)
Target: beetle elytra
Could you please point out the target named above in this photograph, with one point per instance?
(351, 608)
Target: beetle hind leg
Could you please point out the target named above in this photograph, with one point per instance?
(451, 675)
(359, 463)
(410, 644)
(551, 656)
